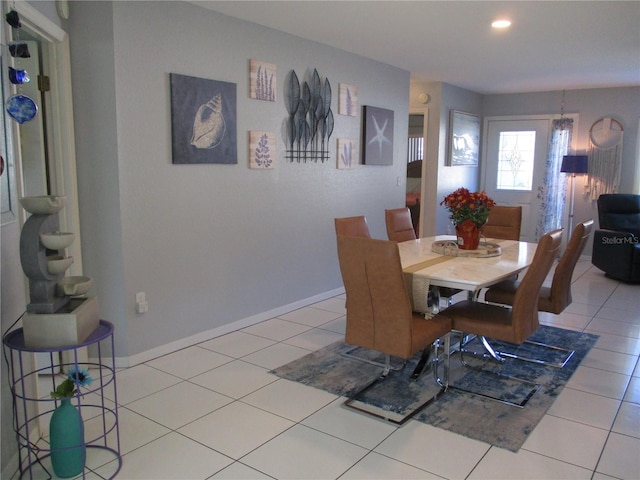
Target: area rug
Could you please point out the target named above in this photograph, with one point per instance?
(468, 414)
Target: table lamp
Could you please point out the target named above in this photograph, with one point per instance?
(574, 164)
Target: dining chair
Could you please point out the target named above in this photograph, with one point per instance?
(557, 297)
(399, 225)
(379, 315)
(400, 229)
(512, 325)
(504, 222)
(352, 226)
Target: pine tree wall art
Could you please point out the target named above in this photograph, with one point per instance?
(262, 150)
(262, 82)
(348, 99)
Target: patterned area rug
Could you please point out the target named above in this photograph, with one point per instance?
(469, 414)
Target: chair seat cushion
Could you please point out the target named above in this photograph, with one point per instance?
(504, 292)
(428, 330)
(491, 321)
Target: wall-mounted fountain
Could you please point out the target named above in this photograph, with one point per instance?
(59, 312)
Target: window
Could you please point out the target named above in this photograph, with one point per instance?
(515, 160)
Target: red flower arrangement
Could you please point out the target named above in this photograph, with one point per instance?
(465, 205)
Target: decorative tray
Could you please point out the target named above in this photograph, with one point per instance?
(450, 248)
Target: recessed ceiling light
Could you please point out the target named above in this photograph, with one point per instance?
(501, 24)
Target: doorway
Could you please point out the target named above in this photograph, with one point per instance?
(516, 152)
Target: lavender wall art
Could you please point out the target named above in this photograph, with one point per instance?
(203, 120)
(262, 80)
(347, 99)
(377, 137)
(310, 122)
(347, 153)
(262, 150)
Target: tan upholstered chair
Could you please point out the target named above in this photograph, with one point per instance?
(516, 324)
(352, 226)
(379, 315)
(503, 223)
(400, 229)
(557, 297)
(399, 225)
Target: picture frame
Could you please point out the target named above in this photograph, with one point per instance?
(464, 139)
(377, 136)
(203, 120)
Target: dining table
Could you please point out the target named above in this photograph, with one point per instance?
(437, 262)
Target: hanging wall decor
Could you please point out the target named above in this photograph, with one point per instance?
(347, 153)
(19, 107)
(605, 156)
(262, 150)
(464, 139)
(310, 122)
(347, 99)
(262, 80)
(377, 137)
(203, 120)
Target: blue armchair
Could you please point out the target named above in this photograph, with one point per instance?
(616, 246)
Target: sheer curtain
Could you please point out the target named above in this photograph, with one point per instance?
(553, 192)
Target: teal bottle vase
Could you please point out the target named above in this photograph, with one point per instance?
(66, 433)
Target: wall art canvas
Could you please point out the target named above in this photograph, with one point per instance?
(262, 80)
(347, 99)
(377, 138)
(203, 120)
(310, 123)
(464, 139)
(262, 150)
(347, 156)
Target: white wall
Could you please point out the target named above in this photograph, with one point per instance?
(209, 244)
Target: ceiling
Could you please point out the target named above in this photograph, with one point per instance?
(551, 45)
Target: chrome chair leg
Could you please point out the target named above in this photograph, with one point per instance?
(559, 364)
(387, 363)
(399, 419)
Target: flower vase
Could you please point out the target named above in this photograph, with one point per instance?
(66, 433)
(468, 235)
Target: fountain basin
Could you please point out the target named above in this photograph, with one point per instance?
(74, 285)
(68, 327)
(56, 240)
(57, 264)
(43, 204)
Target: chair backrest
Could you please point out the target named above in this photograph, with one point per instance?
(561, 283)
(524, 315)
(504, 222)
(619, 212)
(379, 315)
(352, 226)
(399, 225)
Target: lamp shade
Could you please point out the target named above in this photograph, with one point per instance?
(575, 164)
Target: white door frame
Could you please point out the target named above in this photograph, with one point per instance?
(55, 46)
(549, 118)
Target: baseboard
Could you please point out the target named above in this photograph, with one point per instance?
(123, 362)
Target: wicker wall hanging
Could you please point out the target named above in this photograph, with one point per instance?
(605, 156)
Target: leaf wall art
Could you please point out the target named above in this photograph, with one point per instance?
(262, 80)
(262, 150)
(310, 122)
(347, 153)
(348, 99)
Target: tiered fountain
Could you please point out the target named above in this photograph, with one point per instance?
(59, 313)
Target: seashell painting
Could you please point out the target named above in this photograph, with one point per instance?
(203, 120)
(209, 125)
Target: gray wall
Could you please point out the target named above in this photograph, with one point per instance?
(209, 244)
(623, 104)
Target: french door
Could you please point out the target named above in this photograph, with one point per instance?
(515, 157)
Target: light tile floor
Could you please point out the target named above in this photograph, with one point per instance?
(212, 411)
